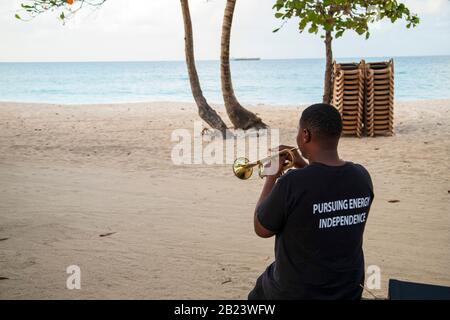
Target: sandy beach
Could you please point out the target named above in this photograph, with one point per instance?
(69, 174)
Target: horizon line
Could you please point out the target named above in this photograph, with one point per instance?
(206, 60)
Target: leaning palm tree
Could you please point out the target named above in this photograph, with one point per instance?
(70, 7)
(208, 114)
(239, 116)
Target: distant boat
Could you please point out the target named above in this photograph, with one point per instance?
(246, 59)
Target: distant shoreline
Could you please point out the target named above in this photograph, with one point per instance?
(215, 104)
(217, 60)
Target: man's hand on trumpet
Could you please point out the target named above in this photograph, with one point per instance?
(275, 167)
(299, 162)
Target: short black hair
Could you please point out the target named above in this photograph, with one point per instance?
(323, 120)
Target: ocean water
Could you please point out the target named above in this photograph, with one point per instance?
(265, 81)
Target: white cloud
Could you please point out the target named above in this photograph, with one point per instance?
(153, 30)
(428, 7)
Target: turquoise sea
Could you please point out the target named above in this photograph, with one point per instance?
(265, 81)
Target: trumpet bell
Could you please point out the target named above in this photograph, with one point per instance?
(241, 169)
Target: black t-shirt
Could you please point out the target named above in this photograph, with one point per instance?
(318, 214)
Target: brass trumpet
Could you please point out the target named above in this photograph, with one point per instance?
(243, 168)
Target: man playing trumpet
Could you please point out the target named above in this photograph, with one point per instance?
(317, 213)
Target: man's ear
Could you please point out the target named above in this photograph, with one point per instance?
(306, 136)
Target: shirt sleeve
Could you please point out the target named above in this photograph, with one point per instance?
(369, 182)
(271, 212)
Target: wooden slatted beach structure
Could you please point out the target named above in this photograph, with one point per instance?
(379, 104)
(348, 96)
(364, 95)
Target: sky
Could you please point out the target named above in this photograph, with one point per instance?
(147, 30)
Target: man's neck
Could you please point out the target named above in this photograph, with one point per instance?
(328, 157)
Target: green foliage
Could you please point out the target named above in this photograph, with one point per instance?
(338, 16)
(67, 8)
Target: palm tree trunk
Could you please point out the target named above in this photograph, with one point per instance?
(239, 116)
(327, 90)
(208, 114)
